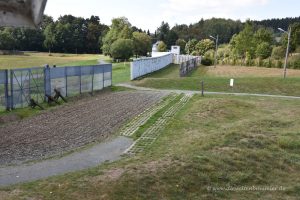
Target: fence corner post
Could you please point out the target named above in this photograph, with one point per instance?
(202, 88)
(66, 81)
(11, 90)
(7, 99)
(93, 77)
(47, 82)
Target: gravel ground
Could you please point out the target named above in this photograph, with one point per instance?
(71, 126)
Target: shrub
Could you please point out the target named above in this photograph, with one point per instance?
(279, 64)
(278, 52)
(259, 62)
(297, 64)
(263, 50)
(294, 62)
(268, 63)
(162, 47)
(204, 46)
(206, 61)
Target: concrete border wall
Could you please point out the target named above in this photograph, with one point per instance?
(178, 59)
(143, 66)
(159, 60)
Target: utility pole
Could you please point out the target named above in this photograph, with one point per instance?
(216, 51)
(287, 49)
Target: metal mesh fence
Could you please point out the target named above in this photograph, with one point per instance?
(19, 86)
(188, 66)
(72, 81)
(3, 89)
(26, 84)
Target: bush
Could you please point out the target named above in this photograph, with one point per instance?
(278, 52)
(279, 64)
(122, 49)
(259, 62)
(296, 64)
(162, 47)
(207, 61)
(268, 63)
(263, 50)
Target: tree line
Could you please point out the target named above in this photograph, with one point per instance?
(68, 34)
(224, 28)
(252, 47)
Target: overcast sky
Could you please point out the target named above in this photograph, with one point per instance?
(148, 14)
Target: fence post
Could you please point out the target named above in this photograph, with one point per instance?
(66, 81)
(103, 76)
(111, 79)
(29, 83)
(11, 90)
(93, 80)
(80, 82)
(202, 88)
(7, 100)
(47, 82)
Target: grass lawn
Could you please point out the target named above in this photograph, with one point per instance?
(213, 142)
(41, 59)
(121, 72)
(247, 80)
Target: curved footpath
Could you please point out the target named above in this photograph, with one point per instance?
(107, 151)
(205, 92)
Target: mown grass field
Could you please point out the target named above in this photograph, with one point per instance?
(121, 72)
(247, 80)
(41, 59)
(213, 142)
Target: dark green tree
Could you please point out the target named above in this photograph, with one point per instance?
(203, 46)
(122, 49)
(50, 38)
(263, 50)
(142, 43)
(163, 31)
(244, 42)
(182, 44)
(191, 46)
(264, 35)
(171, 38)
(120, 28)
(7, 41)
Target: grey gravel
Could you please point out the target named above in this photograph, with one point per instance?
(71, 126)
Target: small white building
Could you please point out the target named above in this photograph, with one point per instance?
(175, 50)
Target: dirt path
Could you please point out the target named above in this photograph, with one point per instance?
(71, 126)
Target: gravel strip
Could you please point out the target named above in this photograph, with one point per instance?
(71, 126)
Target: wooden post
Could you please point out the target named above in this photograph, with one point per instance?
(202, 88)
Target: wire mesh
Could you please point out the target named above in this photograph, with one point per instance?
(19, 86)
